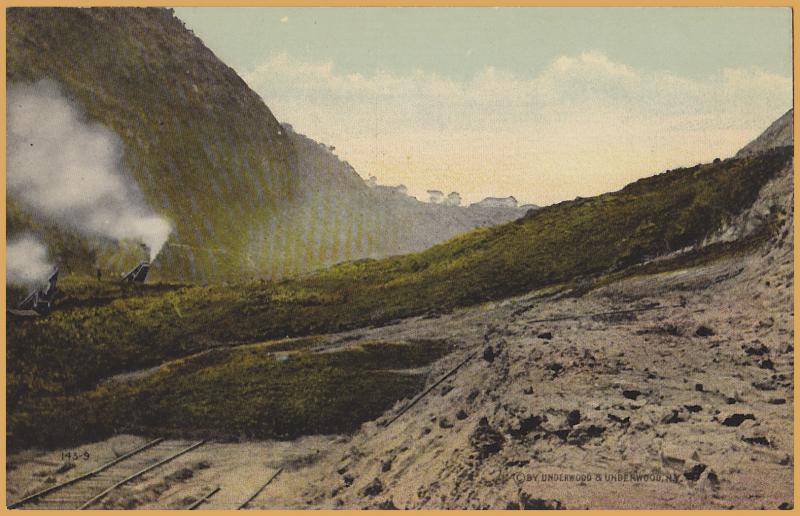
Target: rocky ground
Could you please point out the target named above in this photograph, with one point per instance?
(666, 391)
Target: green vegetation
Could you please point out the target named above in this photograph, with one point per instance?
(91, 336)
(204, 149)
(247, 198)
(240, 392)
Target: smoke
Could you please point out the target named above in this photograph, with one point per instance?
(27, 262)
(72, 170)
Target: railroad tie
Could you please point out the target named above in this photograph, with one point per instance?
(258, 491)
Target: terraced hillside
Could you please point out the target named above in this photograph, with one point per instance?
(245, 198)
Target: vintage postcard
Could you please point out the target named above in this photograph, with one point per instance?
(399, 258)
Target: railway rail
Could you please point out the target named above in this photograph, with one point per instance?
(88, 490)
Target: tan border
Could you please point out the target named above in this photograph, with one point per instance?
(793, 4)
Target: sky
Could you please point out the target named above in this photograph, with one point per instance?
(545, 104)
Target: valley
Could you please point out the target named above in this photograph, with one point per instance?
(309, 338)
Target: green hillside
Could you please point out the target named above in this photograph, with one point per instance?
(247, 198)
(100, 329)
(204, 149)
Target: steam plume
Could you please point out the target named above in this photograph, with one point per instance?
(72, 170)
(27, 263)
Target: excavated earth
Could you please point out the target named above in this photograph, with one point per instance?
(672, 390)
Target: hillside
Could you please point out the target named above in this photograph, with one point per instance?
(660, 355)
(101, 329)
(778, 134)
(336, 216)
(245, 198)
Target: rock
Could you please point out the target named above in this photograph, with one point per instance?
(386, 505)
(546, 335)
(712, 478)
(704, 331)
(765, 386)
(737, 419)
(373, 488)
(693, 408)
(694, 473)
(444, 423)
(621, 420)
(485, 439)
(674, 456)
(527, 502)
(517, 463)
(574, 417)
(672, 418)
(348, 480)
(562, 433)
(631, 394)
(488, 354)
(766, 364)
(555, 367)
(756, 350)
(461, 415)
(757, 439)
(698, 387)
(582, 435)
(527, 424)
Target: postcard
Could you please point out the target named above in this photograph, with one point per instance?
(399, 258)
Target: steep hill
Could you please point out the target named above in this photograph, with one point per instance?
(204, 149)
(244, 197)
(778, 134)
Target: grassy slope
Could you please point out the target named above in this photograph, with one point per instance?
(54, 358)
(202, 146)
(242, 392)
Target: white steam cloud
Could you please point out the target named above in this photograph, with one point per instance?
(72, 170)
(27, 262)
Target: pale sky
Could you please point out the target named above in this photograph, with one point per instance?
(541, 103)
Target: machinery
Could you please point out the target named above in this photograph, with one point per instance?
(39, 302)
(138, 274)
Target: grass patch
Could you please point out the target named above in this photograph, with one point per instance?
(243, 392)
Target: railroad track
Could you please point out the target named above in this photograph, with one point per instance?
(86, 491)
